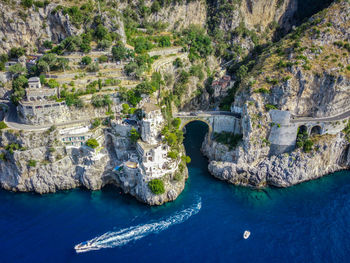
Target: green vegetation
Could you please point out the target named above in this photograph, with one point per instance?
(270, 107)
(134, 135)
(198, 41)
(156, 186)
(178, 177)
(86, 60)
(303, 140)
(17, 52)
(2, 125)
(227, 138)
(13, 147)
(32, 163)
(92, 143)
(101, 101)
(18, 87)
(96, 123)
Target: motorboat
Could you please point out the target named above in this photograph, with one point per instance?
(85, 246)
(246, 234)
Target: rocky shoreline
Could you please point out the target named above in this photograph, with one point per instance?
(281, 170)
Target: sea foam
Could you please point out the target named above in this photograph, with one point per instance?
(126, 235)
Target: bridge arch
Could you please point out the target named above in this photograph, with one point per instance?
(302, 129)
(316, 130)
(207, 122)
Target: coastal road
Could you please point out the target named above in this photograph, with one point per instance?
(338, 117)
(205, 114)
(13, 122)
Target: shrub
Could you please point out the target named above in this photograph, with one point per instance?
(178, 177)
(96, 123)
(262, 90)
(173, 154)
(31, 163)
(86, 60)
(227, 138)
(134, 135)
(125, 109)
(270, 107)
(156, 186)
(2, 125)
(47, 44)
(103, 59)
(308, 144)
(92, 143)
(27, 3)
(3, 157)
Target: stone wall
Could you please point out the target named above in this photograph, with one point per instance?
(226, 124)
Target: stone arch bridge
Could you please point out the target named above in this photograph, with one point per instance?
(217, 121)
(285, 128)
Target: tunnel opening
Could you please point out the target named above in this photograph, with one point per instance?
(316, 130)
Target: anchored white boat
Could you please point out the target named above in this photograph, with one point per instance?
(85, 246)
(246, 234)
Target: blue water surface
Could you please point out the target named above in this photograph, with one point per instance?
(305, 223)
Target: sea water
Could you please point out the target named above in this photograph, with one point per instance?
(309, 222)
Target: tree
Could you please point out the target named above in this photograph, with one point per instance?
(125, 109)
(134, 135)
(173, 154)
(17, 69)
(119, 52)
(171, 139)
(17, 52)
(142, 44)
(101, 32)
(86, 60)
(18, 87)
(155, 7)
(103, 59)
(93, 67)
(176, 123)
(92, 143)
(104, 44)
(52, 83)
(156, 186)
(164, 41)
(47, 44)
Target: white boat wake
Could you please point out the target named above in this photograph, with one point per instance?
(126, 235)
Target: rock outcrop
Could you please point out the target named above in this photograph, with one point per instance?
(43, 169)
(296, 75)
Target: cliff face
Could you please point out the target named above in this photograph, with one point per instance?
(305, 74)
(285, 169)
(43, 169)
(28, 28)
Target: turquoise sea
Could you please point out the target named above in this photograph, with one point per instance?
(309, 222)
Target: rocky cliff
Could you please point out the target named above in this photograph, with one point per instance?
(36, 161)
(307, 74)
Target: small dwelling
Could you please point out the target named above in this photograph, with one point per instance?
(38, 108)
(221, 86)
(34, 83)
(152, 123)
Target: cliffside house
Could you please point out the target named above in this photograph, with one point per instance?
(154, 159)
(151, 123)
(36, 102)
(220, 86)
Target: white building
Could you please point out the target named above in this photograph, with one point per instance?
(154, 159)
(34, 83)
(152, 123)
